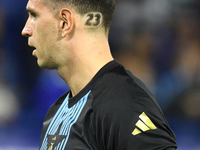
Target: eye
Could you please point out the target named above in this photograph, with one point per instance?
(33, 14)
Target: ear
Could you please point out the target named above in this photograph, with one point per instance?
(67, 21)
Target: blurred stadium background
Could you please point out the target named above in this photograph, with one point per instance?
(158, 40)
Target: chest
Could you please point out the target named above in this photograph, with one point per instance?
(68, 128)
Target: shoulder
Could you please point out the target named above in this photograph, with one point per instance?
(122, 105)
(118, 92)
(121, 85)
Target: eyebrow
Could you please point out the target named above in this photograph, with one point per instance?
(30, 10)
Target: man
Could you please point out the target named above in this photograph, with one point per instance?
(107, 107)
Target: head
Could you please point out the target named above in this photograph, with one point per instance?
(51, 22)
(83, 7)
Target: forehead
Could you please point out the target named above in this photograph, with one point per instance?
(33, 2)
(35, 5)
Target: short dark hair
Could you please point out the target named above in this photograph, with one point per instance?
(106, 7)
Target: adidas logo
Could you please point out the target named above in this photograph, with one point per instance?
(143, 124)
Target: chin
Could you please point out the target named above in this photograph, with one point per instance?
(46, 65)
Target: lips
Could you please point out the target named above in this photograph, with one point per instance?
(30, 43)
(34, 52)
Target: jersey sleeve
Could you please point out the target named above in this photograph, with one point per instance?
(131, 121)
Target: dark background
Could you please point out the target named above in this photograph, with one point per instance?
(158, 40)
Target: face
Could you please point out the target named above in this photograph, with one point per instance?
(42, 31)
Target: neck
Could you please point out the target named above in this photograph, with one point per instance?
(88, 59)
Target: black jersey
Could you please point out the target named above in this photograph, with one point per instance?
(115, 111)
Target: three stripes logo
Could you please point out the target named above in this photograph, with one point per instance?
(143, 124)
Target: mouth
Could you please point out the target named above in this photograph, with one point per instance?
(34, 52)
(34, 48)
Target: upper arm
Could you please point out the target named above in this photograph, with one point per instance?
(131, 124)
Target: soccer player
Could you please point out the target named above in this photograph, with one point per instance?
(107, 108)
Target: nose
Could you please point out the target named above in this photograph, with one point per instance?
(27, 31)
